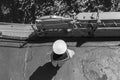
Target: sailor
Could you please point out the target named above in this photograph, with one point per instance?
(60, 53)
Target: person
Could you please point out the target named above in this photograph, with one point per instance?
(60, 53)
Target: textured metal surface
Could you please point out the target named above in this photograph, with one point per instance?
(19, 63)
(32, 61)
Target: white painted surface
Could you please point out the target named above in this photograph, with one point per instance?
(102, 15)
(16, 30)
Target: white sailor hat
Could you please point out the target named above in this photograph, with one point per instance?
(59, 47)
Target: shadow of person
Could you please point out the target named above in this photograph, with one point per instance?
(45, 72)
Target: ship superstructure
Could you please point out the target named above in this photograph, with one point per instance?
(94, 24)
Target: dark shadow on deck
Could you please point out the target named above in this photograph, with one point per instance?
(78, 40)
(45, 72)
(38, 40)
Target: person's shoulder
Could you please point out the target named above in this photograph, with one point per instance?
(71, 53)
